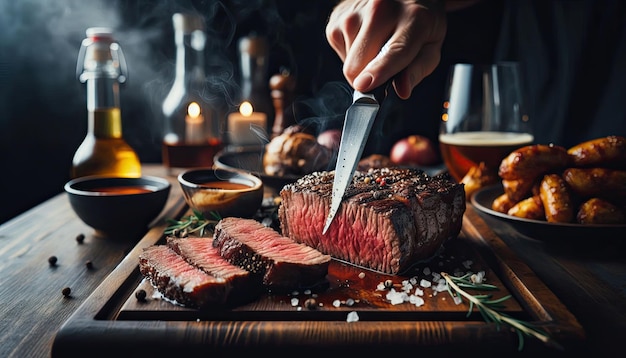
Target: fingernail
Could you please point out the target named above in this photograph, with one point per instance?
(363, 81)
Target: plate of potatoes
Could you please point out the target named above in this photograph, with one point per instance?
(548, 191)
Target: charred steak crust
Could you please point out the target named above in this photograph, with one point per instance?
(283, 262)
(179, 281)
(389, 218)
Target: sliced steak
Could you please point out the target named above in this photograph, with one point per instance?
(177, 280)
(199, 252)
(389, 219)
(259, 249)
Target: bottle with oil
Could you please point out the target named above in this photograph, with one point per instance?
(104, 151)
(191, 129)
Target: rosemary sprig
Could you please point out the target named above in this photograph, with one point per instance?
(489, 309)
(194, 223)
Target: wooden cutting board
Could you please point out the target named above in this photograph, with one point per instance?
(112, 321)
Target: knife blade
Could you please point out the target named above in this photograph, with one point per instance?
(358, 122)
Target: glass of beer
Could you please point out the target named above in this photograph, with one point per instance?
(484, 117)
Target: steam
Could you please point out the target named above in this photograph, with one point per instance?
(40, 40)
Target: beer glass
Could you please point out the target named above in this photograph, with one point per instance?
(484, 117)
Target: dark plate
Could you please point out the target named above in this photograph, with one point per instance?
(251, 160)
(542, 230)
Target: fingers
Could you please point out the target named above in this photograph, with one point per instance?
(424, 64)
(379, 40)
(370, 43)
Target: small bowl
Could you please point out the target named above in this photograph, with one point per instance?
(116, 207)
(227, 192)
(251, 160)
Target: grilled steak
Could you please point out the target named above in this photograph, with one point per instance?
(199, 252)
(259, 249)
(389, 218)
(178, 280)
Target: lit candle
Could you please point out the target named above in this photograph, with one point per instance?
(247, 127)
(194, 122)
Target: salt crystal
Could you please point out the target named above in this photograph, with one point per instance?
(416, 300)
(467, 264)
(478, 277)
(294, 302)
(413, 280)
(419, 292)
(457, 300)
(336, 303)
(307, 292)
(426, 270)
(436, 276)
(380, 287)
(352, 317)
(362, 275)
(441, 286)
(396, 297)
(425, 283)
(349, 302)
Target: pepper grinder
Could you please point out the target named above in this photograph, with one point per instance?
(282, 86)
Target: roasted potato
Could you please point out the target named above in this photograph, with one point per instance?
(529, 208)
(476, 178)
(584, 184)
(518, 189)
(556, 199)
(531, 161)
(601, 152)
(503, 203)
(604, 183)
(599, 211)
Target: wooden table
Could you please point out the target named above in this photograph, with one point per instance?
(591, 283)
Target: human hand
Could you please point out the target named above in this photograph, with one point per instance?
(381, 39)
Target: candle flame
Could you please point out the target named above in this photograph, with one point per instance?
(246, 109)
(193, 110)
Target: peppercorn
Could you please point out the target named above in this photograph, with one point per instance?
(140, 295)
(66, 291)
(80, 238)
(310, 303)
(89, 264)
(52, 260)
(388, 283)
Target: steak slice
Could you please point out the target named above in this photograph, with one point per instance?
(178, 280)
(389, 219)
(260, 249)
(200, 253)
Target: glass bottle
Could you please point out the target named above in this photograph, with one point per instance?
(104, 151)
(253, 62)
(191, 133)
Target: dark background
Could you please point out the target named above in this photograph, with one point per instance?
(43, 116)
(572, 54)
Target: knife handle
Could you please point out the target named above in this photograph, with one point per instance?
(380, 92)
(376, 96)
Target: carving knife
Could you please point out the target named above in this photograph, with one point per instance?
(358, 122)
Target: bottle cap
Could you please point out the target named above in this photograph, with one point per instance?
(100, 56)
(100, 33)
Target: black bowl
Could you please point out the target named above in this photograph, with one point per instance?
(251, 161)
(115, 207)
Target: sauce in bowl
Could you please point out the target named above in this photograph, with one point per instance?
(123, 190)
(228, 185)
